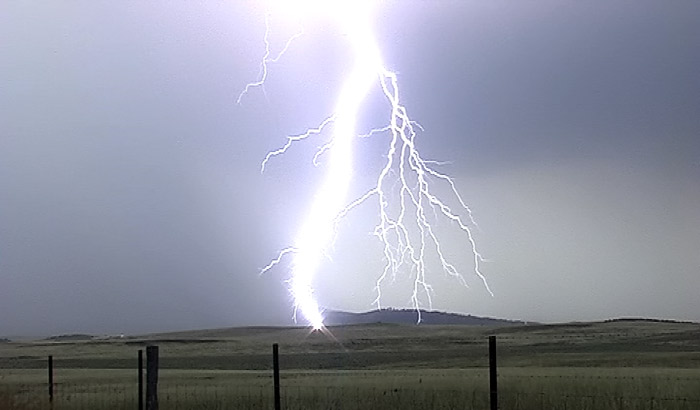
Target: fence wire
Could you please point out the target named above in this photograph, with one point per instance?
(216, 395)
(349, 382)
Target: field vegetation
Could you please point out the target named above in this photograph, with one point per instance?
(633, 364)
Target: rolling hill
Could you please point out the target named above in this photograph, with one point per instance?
(408, 316)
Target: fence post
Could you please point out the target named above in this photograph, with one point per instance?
(140, 379)
(50, 378)
(276, 375)
(151, 377)
(493, 375)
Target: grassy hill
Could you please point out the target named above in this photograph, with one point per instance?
(380, 346)
(410, 317)
(621, 364)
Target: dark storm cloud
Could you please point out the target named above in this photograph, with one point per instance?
(130, 192)
(578, 149)
(543, 81)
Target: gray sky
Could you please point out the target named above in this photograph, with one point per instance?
(131, 198)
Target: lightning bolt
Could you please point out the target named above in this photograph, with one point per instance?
(404, 228)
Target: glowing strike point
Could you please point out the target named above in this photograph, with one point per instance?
(414, 174)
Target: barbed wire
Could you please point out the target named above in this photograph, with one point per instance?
(222, 395)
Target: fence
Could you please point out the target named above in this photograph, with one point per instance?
(476, 388)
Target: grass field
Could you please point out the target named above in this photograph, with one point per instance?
(617, 365)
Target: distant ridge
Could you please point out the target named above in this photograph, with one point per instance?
(70, 338)
(409, 316)
(649, 320)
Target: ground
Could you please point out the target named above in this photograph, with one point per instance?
(632, 364)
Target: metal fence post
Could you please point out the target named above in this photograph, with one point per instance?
(276, 375)
(140, 379)
(493, 375)
(51, 378)
(151, 377)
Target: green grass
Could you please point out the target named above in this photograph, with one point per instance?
(620, 365)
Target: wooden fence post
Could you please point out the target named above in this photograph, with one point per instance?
(276, 375)
(493, 375)
(51, 378)
(140, 379)
(151, 377)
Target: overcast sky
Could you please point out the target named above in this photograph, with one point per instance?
(131, 198)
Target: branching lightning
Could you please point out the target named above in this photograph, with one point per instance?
(404, 228)
(267, 60)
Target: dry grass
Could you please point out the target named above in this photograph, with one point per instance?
(606, 366)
